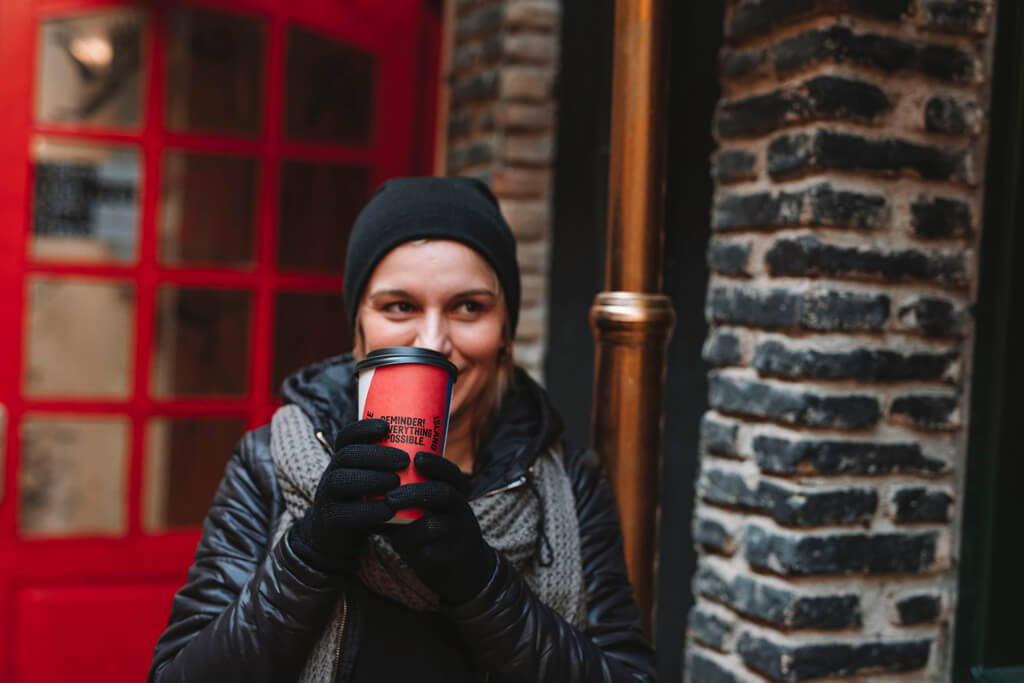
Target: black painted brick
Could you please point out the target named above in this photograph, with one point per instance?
(491, 49)
(733, 165)
(713, 535)
(703, 669)
(827, 311)
(722, 348)
(777, 455)
(772, 309)
(736, 64)
(887, 10)
(758, 210)
(480, 87)
(773, 358)
(840, 44)
(922, 608)
(819, 310)
(839, 554)
(469, 155)
(465, 57)
(954, 15)
(778, 606)
(803, 662)
(460, 124)
(718, 437)
(819, 205)
(933, 317)
(920, 504)
(821, 97)
(804, 508)
(808, 256)
(789, 506)
(486, 19)
(831, 150)
(792, 406)
(950, 116)
(754, 16)
(845, 208)
(710, 629)
(927, 411)
(940, 218)
(728, 258)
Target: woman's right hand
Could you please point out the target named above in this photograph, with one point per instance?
(330, 536)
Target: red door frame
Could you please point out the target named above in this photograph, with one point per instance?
(408, 53)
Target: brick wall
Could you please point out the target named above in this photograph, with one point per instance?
(845, 223)
(501, 128)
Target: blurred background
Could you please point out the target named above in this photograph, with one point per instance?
(837, 482)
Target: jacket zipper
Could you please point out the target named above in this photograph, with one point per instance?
(514, 484)
(323, 440)
(341, 636)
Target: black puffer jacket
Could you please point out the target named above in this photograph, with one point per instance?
(251, 612)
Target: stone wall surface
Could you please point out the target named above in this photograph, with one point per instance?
(845, 223)
(501, 128)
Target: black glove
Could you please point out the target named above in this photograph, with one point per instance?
(444, 547)
(330, 536)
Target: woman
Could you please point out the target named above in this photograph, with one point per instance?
(514, 572)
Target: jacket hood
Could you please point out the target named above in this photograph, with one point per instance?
(526, 425)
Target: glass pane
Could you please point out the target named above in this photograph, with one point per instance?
(80, 337)
(72, 478)
(308, 328)
(85, 202)
(90, 68)
(319, 202)
(207, 209)
(185, 459)
(330, 90)
(214, 72)
(200, 345)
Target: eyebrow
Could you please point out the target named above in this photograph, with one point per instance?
(402, 292)
(390, 292)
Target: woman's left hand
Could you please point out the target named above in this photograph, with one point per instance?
(444, 547)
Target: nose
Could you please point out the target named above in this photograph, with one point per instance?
(433, 333)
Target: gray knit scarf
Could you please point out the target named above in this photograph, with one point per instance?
(508, 519)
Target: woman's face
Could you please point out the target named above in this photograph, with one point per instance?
(439, 295)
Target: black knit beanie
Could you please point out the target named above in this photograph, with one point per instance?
(405, 209)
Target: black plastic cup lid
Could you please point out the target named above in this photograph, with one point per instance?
(399, 355)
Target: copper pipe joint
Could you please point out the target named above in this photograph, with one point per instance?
(632, 332)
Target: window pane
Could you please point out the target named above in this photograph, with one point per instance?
(214, 72)
(72, 478)
(308, 328)
(207, 209)
(80, 337)
(330, 90)
(185, 460)
(85, 202)
(90, 69)
(319, 202)
(200, 345)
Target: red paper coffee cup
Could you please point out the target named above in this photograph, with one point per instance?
(411, 389)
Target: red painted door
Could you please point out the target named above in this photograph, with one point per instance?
(176, 184)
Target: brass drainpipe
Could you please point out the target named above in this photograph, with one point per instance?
(632, 320)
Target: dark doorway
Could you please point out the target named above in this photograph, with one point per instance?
(577, 269)
(991, 594)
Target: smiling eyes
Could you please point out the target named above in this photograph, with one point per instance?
(466, 307)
